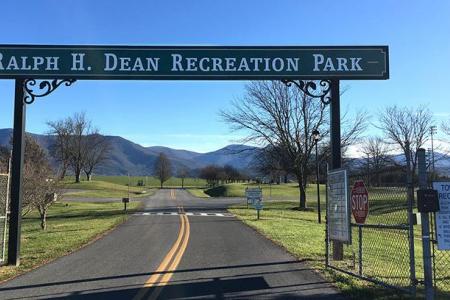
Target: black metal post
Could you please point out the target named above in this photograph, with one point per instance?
(360, 251)
(318, 187)
(16, 175)
(425, 218)
(335, 131)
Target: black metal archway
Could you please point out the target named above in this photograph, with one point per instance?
(316, 71)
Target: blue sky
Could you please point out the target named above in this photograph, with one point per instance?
(184, 114)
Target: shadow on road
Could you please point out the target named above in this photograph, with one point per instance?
(216, 288)
(152, 273)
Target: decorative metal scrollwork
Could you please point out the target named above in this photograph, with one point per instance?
(312, 89)
(34, 90)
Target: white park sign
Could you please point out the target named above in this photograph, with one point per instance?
(443, 216)
(338, 206)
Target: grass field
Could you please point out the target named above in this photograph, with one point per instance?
(69, 226)
(198, 192)
(151, 181)
(302, 236)
(385, 252)
(103, 189)
(274, 191)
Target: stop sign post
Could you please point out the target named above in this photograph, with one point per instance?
(359, 202)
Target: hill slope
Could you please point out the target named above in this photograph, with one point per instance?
(128, 157)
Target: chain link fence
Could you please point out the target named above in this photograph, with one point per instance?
(4, 192)
(381, 251)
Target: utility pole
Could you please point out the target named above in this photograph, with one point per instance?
(433, 131)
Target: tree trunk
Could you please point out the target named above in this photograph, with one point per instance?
(88, 175)
(77, 175)
(63, 172)
(302, 194)
(161, 184)
(43, 215)
(182, 183)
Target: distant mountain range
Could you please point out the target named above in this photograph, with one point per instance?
(128, 157)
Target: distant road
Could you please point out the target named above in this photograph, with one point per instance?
(178, 247)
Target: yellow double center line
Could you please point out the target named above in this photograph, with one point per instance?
(170, 262)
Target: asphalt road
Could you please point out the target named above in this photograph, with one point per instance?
(178, 247)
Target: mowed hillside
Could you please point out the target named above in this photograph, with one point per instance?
(128, 157)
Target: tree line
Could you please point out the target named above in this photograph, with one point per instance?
(214, 174)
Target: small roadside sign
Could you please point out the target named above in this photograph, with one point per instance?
(254, 197)
(360, 202)
(125, 201)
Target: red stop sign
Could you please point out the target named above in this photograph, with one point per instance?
(360, 202)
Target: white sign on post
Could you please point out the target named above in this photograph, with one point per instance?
(443, 216)
(338, 209)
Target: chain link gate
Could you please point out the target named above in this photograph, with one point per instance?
(4, 198)
(382, 249)
(441, 266)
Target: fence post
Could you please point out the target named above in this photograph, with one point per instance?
(425, 217)
(410, 200)
(360, 251)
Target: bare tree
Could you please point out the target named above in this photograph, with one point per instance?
(96, 152)
(78, 145)
(408, 129)
(80, 128)
(183, 172)
(446, 128)
(281, 117)
(376, 157)
(163, 168)
(60, 149)
(4, 160)
(271, 162)
(284, 118)
(39, 185)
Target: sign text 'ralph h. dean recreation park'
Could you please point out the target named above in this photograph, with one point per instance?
(227, 63)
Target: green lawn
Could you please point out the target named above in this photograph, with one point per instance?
(287, 191)
(103, 189)
(151, 181)
(198, 192)
(300, 234)
(385, 252)
(69, 226)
